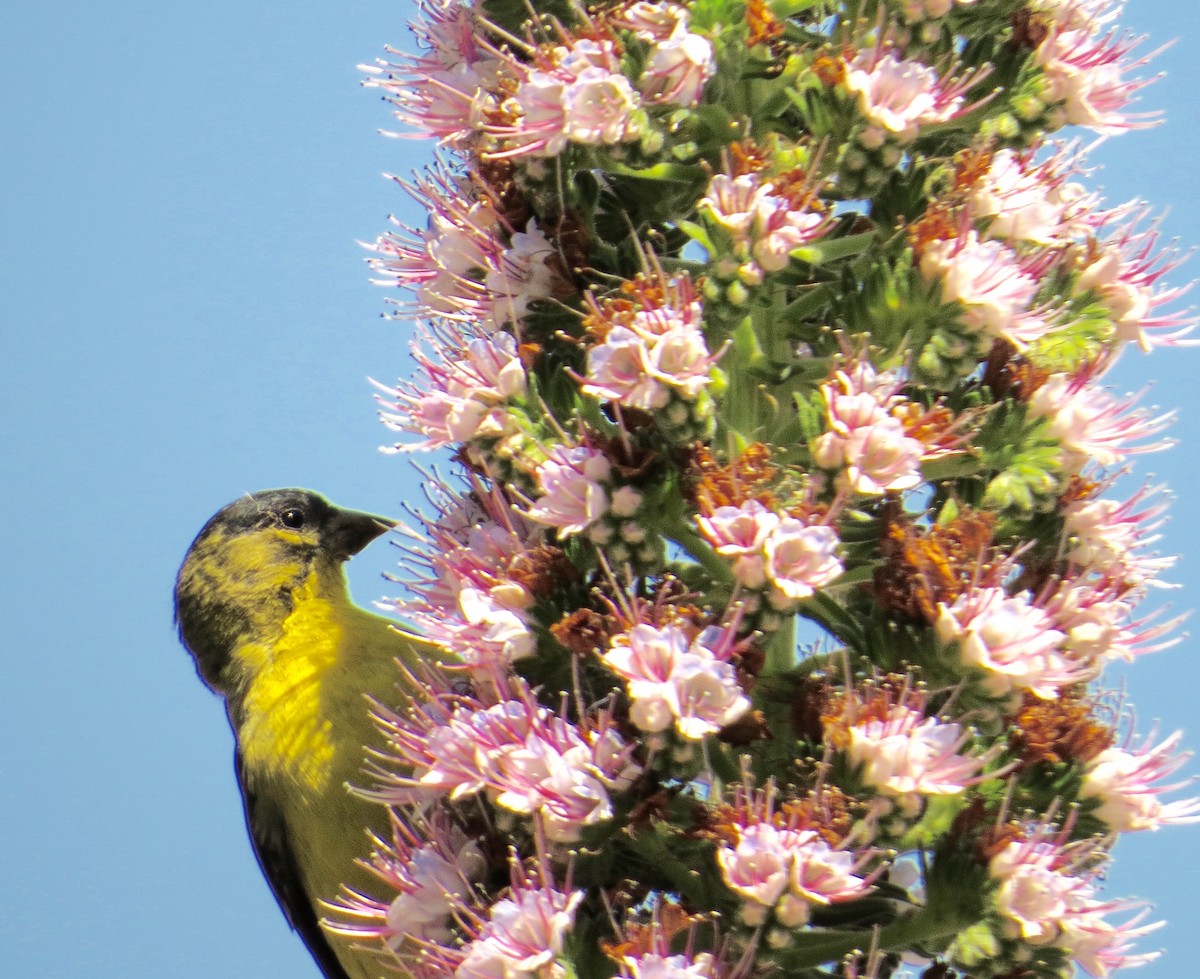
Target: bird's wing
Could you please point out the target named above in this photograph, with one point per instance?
(273, 848)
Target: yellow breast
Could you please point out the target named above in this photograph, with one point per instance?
(305, 726)
(305, 716)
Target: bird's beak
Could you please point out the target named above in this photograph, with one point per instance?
(351, 531)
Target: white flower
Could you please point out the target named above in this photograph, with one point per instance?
(740, 533)
(433, 884)
(678, 69)
(906, 752)
(572, 481)
(800, 558)
(523, 938)
(1011, 640)
(1020, 201)
(897, 95)
(1124, 783)
(651, 966)
(598, 108)
(987, 279)
(672, 680)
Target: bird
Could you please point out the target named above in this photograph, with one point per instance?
(262, 605)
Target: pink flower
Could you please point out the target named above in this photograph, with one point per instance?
(654, 21)
(465, 598)
(879, 458)
(431, 865)
(1123, 781)
(654, 354)
(446, 91)
(1124, 275)
(598, 108)
(653, 966)
(466, 383)
(916, 11)
(572, 481)
(1101, 947)
(783, 867)
(869, 432)
(677, 70)
(764, 225)
(731, 202)
(787, 871)
(1106, 535)
(906, 752)
(1084, 70)
(758, 867)
(441, 265)
(541, 117)
(1093, 427)
(800, 558)
(674, 680)
(820, 875)
(740, 533)
(526, 759)
(1096, 614)
(1023, 201)
(1083, 15)
(864, 438)
(524, 275)
(468, 264)
(523, 937)
(988, 280)
(780, 227)
(619, 370)
(571, 93)
(900, 96)
(1046, 897)
(494, 631)
(1034, 896)
(431, 881)
(1011, 640)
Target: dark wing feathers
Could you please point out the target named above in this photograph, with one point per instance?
(269, 834)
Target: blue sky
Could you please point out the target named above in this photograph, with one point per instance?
(186, 317)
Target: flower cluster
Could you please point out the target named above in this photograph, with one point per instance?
(749, 323)
(676, 681)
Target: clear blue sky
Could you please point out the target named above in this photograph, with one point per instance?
(186, 317)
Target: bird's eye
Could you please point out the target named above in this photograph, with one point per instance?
(292, 518)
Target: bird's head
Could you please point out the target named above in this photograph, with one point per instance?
(238, 580)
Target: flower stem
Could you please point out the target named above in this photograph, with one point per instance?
(675, 528)
(929, 925)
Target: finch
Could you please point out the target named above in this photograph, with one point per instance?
(262, 605)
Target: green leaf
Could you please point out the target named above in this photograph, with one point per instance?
(810, 415)
(746, 347)
(699, 234)
(935, 822)
(676, 173)
(832, 249)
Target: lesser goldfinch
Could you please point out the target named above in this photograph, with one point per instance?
(262, 605)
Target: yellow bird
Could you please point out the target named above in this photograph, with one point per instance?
(262, 605)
